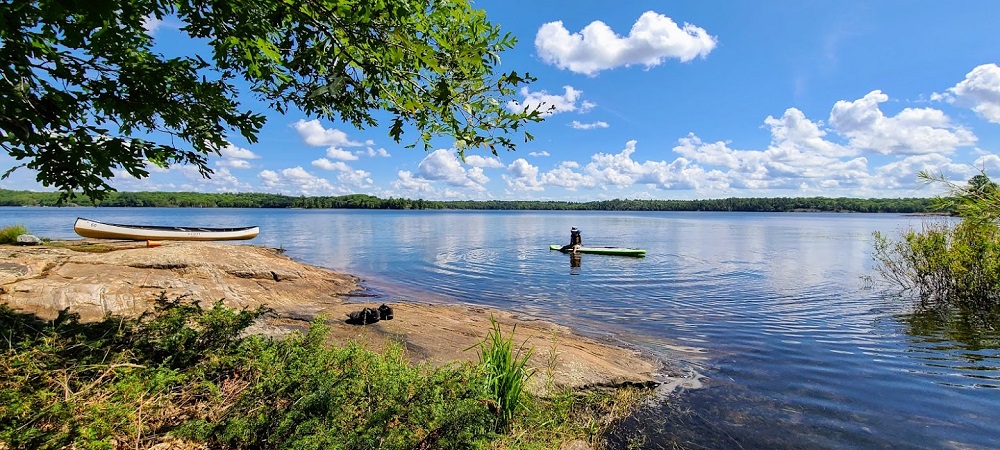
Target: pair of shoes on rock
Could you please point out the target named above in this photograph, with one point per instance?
(370, 315)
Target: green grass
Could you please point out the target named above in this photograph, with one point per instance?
(9, 234)
(505, 372)
(188, 374)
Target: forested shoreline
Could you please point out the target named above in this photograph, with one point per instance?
(362, 201)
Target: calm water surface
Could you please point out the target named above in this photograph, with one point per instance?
(793, 348)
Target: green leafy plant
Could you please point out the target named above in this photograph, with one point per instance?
(948, 264)
(506, 372)
(9, 234)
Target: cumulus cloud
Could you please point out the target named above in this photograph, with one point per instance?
(586, 106)
(914, 131)
(235, 163)
(232, 151)
(358, 179)
(340, 154)
(980, 91)
(443, 165)
(653, 39)
(295, 180)
(234, 157)
(547, 104)
(314, 134)
(380, 152)
(326, 164)
(405, 181)
(484, 162)
(588, 126)
(539, 154)
(522, 176)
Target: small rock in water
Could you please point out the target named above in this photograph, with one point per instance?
(28, 239)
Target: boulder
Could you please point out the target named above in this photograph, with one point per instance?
(28, 239)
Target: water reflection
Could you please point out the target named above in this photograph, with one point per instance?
(575, 262)
(956, 341)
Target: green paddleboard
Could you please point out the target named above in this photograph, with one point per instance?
(605, 250)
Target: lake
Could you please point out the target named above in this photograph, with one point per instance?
(770, 311)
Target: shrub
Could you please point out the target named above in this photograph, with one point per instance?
(9, 234)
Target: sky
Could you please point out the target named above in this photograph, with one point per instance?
(670, 100)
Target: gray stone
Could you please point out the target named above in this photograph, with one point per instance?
(28, 239)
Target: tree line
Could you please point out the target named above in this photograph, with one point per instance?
(363, 201)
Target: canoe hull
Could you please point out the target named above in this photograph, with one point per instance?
(619, 251)
(99, 230)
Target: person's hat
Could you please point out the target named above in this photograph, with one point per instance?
(573, 229)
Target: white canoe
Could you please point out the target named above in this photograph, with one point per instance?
(99, 230)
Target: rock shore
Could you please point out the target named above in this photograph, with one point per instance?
(94, 278)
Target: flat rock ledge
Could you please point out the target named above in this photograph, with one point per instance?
(125, 280)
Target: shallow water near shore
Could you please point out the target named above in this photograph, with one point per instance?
(795, 349)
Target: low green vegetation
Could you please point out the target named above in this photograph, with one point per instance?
(362, 201)
(9, 234)
(950, 265)
(192, 376)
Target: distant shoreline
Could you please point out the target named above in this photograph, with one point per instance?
(362, 201)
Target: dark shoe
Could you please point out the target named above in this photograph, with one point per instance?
(385, 312)
(356, 317)
(371, 315)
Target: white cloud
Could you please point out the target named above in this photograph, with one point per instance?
(588, 126)
(653, 39)
(586, 106)
(235, 163)
(295, 180)
(314, 134)
(405, 181)
(341, 154)
(482, 161)
(151, 24)
(980, 90)
(539, 154)
(232, 151)
(356, 179)
(547, 104)
(522, 176)
(380, 152)
(911, 132)
(234, 157)
(443, 165)
(326, 164)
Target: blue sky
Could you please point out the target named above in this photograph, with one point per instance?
(673, 100)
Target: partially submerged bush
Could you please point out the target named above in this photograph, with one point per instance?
(945, 265)
(9, 234)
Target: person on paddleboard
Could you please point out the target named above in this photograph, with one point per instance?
(575, 240)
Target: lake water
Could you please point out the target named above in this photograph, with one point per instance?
(770, 311)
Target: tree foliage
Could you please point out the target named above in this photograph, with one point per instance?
(85, 91)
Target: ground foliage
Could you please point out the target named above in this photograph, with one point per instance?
(9, 234)
(86, 94)
(191, 376)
